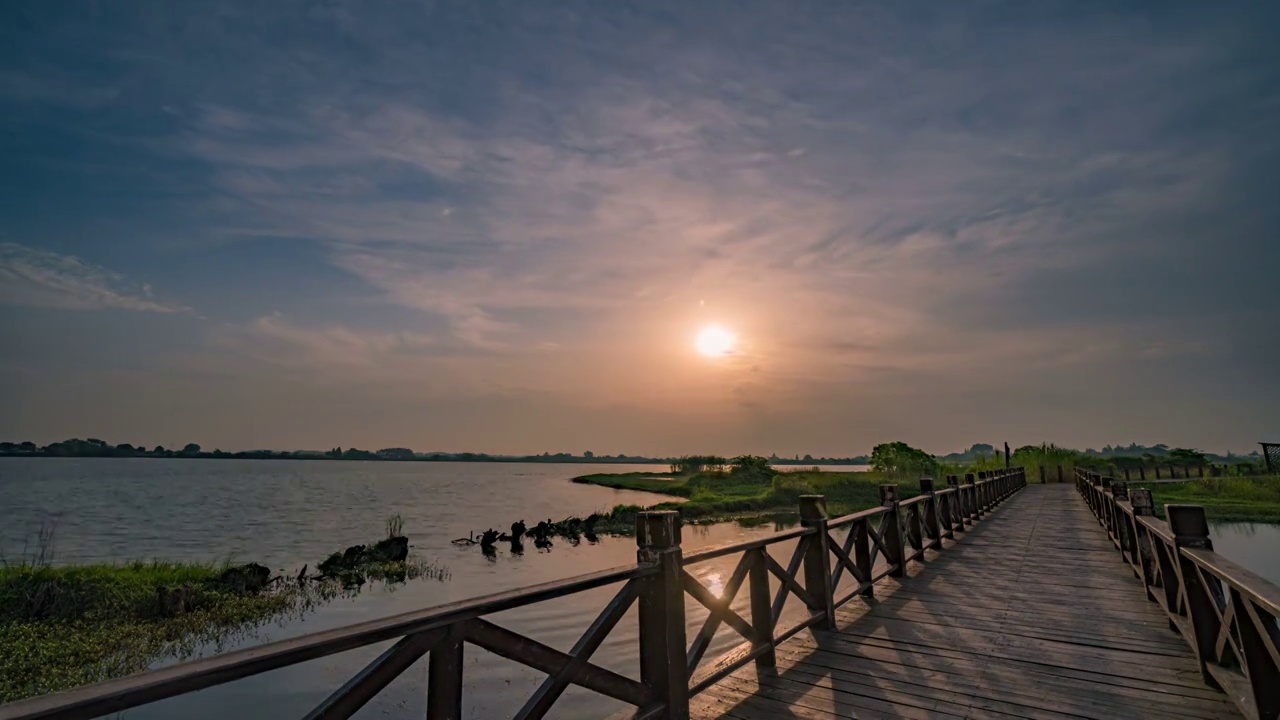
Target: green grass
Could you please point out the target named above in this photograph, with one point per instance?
(89, 592)
(65, 626)
(1226, 499)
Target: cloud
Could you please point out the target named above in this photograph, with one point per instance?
(40, 278)
(878, 200)
(335, 348)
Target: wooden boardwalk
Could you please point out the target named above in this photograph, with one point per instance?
(1033, 614)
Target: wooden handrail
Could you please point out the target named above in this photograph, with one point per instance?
(671, 668)
(1228, 615)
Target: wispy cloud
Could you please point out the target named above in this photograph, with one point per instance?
(39, 278)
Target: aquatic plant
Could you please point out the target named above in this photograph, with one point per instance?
(395, 526)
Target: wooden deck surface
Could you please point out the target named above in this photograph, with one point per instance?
(1032, 614)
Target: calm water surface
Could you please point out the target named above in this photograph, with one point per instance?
(1253, 545)
(286, 513)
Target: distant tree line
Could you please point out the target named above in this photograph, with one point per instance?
(94, 447)
(1119, 455)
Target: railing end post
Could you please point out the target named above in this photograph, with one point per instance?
(889, 494)
(1190, 526)
(817, 558)
(658, 529)
(663, 664)
(1142, 502)
(813, 507)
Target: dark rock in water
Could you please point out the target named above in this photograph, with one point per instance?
(393, 549)
(246, 578)
(331, 564)
(354, 559)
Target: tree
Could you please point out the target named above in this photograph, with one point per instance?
(749, 464)
(1187, 456)
(191, 449)
(899, 458)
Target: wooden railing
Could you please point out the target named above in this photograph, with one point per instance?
(1227, 614)
(860, 548)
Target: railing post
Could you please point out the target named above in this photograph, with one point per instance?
(1041, 474)
(1143, 506)
(932, 521)
(444, 676)
(663, 665)
(1190, 529)
(982, 487)
(817, 558)
(761, 613)
(956, 502)
(891, 531)
(1120, 490)
(974, 511)
(1108, 506)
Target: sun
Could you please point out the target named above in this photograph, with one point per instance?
(715, 341)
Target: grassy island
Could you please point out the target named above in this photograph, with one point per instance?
(748, 488)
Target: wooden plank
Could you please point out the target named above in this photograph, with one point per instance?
(1003, 684)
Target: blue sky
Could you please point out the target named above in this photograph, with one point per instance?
(498, 226)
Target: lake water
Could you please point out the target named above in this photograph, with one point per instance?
(286, 513)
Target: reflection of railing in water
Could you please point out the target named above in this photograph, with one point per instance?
(1227, 614)
(671, 669)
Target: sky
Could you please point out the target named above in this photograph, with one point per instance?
(499, 226)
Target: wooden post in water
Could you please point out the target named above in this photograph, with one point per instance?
(892, 531)
(663, 664)
(817, 559)
(1059, 473)
(1190, 529)
(1142, 472)
(1126, 474)
(1041, 474)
